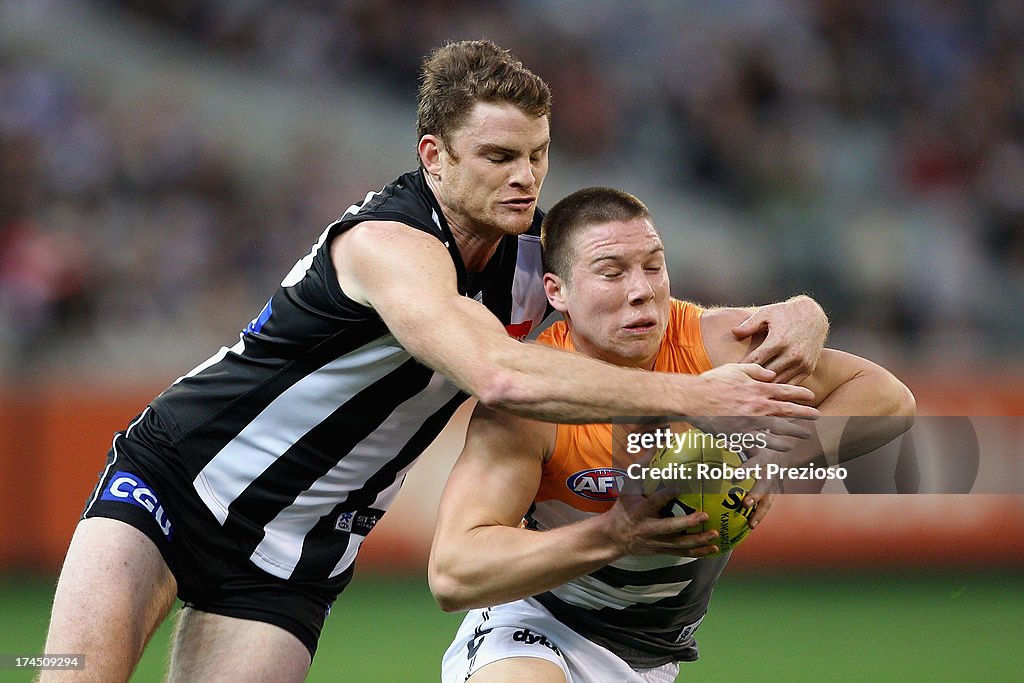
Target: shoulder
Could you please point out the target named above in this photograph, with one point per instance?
(722, 346)
(377, 257)
(716, 321)
(392, 224)
(405, 200)
(388, 241)
(504, 434)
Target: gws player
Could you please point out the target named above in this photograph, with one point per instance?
(600, 590)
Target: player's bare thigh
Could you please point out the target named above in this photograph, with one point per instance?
(114, 591)
(213, 647)
(517, 669)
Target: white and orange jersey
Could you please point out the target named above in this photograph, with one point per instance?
(584, 448)
(644, 609)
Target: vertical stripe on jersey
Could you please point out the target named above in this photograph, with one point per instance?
(289, 417)
(320, 449)
(368, 496)
(528, 300)
(354, 541)
(281, 546)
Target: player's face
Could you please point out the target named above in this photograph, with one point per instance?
(616, 300)
(492, 168)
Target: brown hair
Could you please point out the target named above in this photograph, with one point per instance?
(582, 208)
(456, 76)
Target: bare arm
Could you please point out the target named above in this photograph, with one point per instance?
(852, 386)
(480, 554)
(844, 385)
(408, 278)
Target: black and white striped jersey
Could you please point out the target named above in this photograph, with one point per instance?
(298, 437)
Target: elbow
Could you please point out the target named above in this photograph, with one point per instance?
(887, 396)
(907, 403)
(450, 590)
(908, 408)
(902, 402)
(503, 390)
(449, 593)
(902, 405)
(447, 598)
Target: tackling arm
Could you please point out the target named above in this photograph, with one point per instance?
(844, 385)
(388, 265)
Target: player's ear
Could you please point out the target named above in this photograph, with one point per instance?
(554, 289)
(430, 149)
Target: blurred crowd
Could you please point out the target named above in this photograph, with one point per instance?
(877, 147)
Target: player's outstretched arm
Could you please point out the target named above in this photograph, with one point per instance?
(844, 385)
(408, 278)
(851, 386)
(481, 555)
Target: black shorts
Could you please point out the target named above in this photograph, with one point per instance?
(212, 575)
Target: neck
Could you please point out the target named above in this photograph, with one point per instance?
(476, 246)
(475, 249)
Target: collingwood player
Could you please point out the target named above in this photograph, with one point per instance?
(247, 486)
(597, 588)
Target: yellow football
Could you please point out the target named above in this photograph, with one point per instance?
(707, 477)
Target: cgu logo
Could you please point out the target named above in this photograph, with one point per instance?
(127, 488)
(602, 483)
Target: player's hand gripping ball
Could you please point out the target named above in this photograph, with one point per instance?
(708, 478)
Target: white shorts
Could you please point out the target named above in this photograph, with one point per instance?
(524, 628)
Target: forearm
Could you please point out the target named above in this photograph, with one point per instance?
(537, 381)
(493, 564)
(546, 384)
(475, 352)
(543, 383)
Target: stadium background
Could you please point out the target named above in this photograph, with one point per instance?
(163, 163)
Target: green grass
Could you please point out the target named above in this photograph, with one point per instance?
(764, 627)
